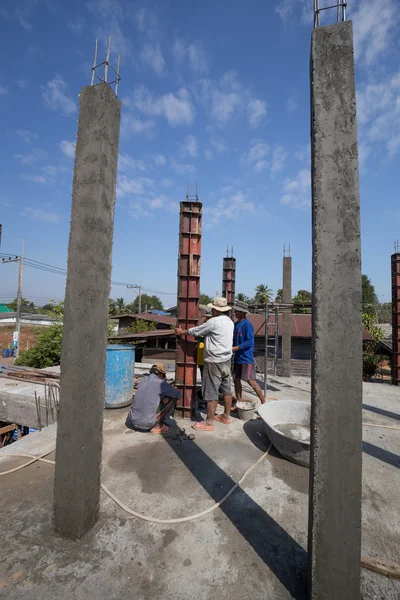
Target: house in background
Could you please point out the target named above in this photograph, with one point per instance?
(5, 309)
(10, 318)
(126, 320)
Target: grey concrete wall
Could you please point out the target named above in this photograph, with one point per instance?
(287, 317)
(336, 431)
(80, 422)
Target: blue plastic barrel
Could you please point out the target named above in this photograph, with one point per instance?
(120, 369)
(4, 353)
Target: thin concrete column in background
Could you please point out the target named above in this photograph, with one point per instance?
(83, 360)
(287, 317)
(336, 430)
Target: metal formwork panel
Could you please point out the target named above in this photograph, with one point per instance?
(396, 318)
(229, 279)
(188, 302)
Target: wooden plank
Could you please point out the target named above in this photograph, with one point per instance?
(8, 428)
(383, 567)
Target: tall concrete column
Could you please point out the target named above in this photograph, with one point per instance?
(287, 317)
(336, 430)
(83, 360)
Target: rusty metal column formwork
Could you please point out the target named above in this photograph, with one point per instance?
(190, 225)
(396, 318)
(229, 278)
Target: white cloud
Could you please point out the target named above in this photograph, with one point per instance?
(190, 146)
(292, 104)
(22, 84)
(303, 152)
(167, 183)
(67, 148)
(193, 53)
(297, 191)
(157, 202)
(4, 202)
(181, 168)
(160, 159)
(218, 144)
(374, 32)
(52, 171)
(108, 17)
(288, 8)
(33, 158)
(77, 26)
(231, 207)
(26, 135)
(140, 186)
(151, 56)
(137, 211)
(227, 98)
(148, 23)
(37, 214)
(279, 157)
(256, 156)
(208, 154)
(128, 164)
(378, 112)
(55, 96)
(176, 108)
(256, 110)
(35, 178)
(3, 90)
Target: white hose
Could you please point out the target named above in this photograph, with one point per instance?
(126, 508)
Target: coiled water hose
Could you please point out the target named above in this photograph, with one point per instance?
(383, 567)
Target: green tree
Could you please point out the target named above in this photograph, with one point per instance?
(243, 298)
(205, 299)
(26, 306)
(263, 294)
(140, 326)
(47, 352)
(300, 297)
(120, 302)
(370, 358)
(384, 312)
(112, 308)
(369, 297)
(279, 295)
(153, 302)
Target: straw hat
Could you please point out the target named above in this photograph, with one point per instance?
(160, 367)
(219, 304)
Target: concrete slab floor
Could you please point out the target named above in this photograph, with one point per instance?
(253, 546)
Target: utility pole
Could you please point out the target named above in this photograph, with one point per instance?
(137, 287)
(19, 259)
(19, 299)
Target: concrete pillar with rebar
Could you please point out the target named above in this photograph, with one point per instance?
(287, 317)
(190, 228)
(396, 318)
(336, 430)
(83, 360)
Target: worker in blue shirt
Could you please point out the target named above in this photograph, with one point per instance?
(243, 350)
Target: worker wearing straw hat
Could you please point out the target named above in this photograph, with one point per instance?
(217, 332)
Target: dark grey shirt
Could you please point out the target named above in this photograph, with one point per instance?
(150, 392)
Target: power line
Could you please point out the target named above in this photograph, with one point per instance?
(35, 264)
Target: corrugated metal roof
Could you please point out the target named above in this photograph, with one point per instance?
(147, 317)
(301, 326)
(145, 334)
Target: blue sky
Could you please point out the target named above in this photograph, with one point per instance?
(213, 91)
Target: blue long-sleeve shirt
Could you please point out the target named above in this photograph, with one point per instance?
(243, 336)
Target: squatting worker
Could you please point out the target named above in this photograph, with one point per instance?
(153, 403)
(243, 349)
(217, 333)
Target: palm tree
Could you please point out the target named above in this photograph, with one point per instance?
(120, 302)
(263, 294)
(241, 297)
